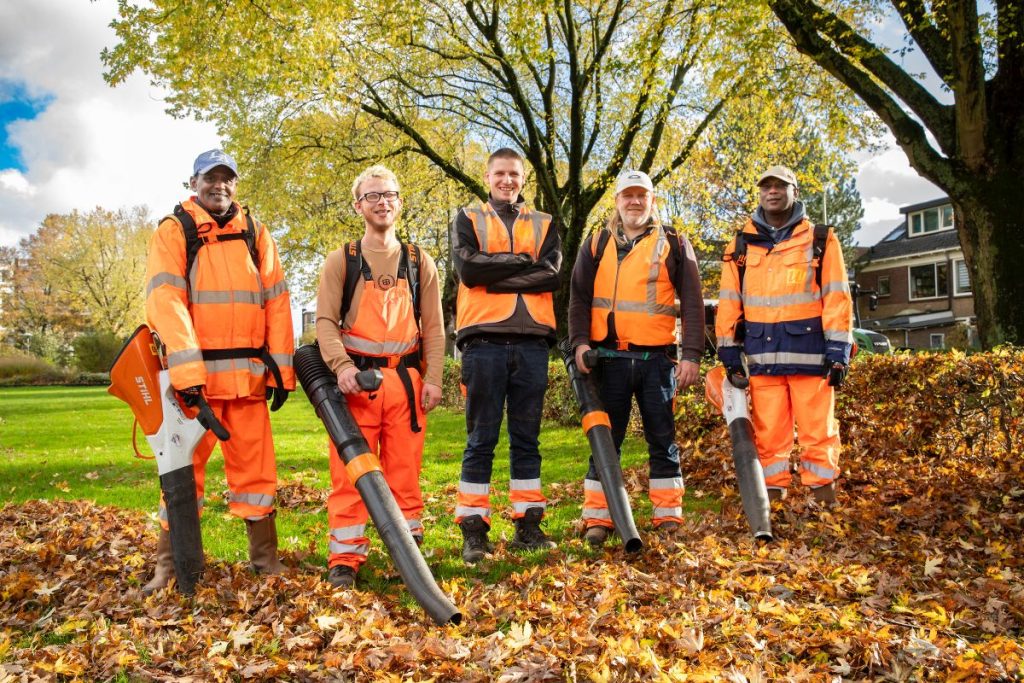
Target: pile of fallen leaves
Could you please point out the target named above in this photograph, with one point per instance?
(916, 575)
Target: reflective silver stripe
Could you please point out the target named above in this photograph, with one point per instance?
(348, 548)
(260, 499)
(592, 485)
(414, 525)
(786, 359)
(284, 360)
(729, 295)
(232, 364)
(256, 518)
(347, 533)
(653, 307)
(727, 341)
(477, 489)
(596, 513)
(839, 336)
(368, 347)
(182, 357)
(275, 291)
(601, 302)
(829, 287)
(781, 300)
(526, 505)
(538, 230)
(667, 512)
(811, 270)
(234, 296)
(165, 279)
(776, 468)
(524, 484)
(815, 468)
(645, 307)
(672, 483)
(462, 512)
(479, 225)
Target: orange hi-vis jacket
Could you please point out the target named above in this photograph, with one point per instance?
(224, 303)
(638, 291)
(475, 305)
(790, 325)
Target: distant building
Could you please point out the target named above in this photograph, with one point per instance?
(922, 281)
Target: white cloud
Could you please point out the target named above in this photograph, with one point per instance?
(93, 145)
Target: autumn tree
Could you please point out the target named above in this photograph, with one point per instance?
(972, 148)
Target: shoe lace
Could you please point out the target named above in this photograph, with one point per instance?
(531, 533)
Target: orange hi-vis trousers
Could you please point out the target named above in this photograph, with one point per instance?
(249, 464)
(778, 402)
(383, 417)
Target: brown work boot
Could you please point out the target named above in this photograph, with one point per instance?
(597, 535)
(342, 576)
(826, 495)
(263, 545)
(164, 564)
(667, 529)
(528, 534)
(475, 545)
(776, 494)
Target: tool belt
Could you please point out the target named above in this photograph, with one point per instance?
(239, 353)
(401, 365)
(634, 351)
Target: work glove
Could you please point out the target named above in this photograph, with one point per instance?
(737, 376)
(836, 374)
(279, 395)
(191, 396)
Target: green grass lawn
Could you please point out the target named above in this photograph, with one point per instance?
(75, 443)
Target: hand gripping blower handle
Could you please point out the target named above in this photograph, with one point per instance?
(321, 387)
(606, 460)
(731, 401)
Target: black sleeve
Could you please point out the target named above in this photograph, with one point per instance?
(581, 295)
(539, 276)
(477, 269)
(686, 276)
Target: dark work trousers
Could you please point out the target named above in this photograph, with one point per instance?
(496, 373)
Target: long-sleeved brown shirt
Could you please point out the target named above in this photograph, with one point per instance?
(383, 264)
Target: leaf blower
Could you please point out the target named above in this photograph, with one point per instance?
(729, 396)
(138, 378)
(363, 468)
(598, 429)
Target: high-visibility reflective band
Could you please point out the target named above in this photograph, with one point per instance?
(182, 357)
(275, 291)
(475, 489)
(341, 538)
(348, 548)
(283, 360)
(670, 483)
(595, 418)
(652, 305)
(367, 347)
(479, 226)
(347, 533)
(786, 358)
(815, 468)
(593, 485)
(235, 296)
(524, 484)
(596, 513)
(776, 468)
(839, 286)
(463, 512)
(751, 301)
(727, 341)
(667, 512)
(729, 294)
(601, 302)
(839, 336)
(649, 307)
(257, 499)
(525, 505)
(165, 279)
(360, 465)
(538, 228)
(232, 364)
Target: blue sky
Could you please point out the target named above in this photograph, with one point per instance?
(16, 104)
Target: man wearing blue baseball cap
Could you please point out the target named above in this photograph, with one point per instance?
(217, 298)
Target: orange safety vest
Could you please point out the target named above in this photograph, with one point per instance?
(477, 306)
(224, 303)
(638, 290)
(385, 325)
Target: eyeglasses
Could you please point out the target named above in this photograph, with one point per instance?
(374, 197)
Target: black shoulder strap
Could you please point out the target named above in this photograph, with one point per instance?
(602, 244)
(739, 255)
(676, 249)
(411, 257)
(821, 231)
(193, 243)
(356, 265)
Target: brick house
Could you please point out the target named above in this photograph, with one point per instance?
(922, 282)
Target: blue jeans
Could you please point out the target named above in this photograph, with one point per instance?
(493, 373)
(653, 383)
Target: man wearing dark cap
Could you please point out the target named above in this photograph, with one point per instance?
(784, 320)
(217, 298)
(625, 285)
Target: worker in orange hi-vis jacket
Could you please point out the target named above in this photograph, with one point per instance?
(785, 305)
(379, 306)
(217, 298)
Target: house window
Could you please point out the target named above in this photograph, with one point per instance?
(963, 277)
(930, 281)
(937, 340)
(882, 288)
(931, 220)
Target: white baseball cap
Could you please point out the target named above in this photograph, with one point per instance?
(634, 179)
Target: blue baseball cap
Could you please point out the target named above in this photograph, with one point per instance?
(211, 159)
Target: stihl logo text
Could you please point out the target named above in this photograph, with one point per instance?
(140, 382)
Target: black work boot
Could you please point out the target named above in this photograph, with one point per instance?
(528, 533)
(474, 539)
(342, 576)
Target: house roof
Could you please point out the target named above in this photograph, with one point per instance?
(941, 201)
(902, 245)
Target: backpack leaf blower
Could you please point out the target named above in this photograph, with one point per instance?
(138, 378)
(321, 387)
